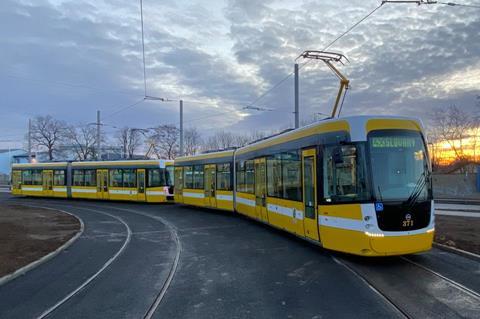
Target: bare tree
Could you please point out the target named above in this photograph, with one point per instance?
(130, 139)
(47, 133)
(83, 140)
(241, 140)
(222, 140)
(164, 141)
(452, 125)
(192, 141)
(219, 141)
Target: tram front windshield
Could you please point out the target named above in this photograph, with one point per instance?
(399, 165)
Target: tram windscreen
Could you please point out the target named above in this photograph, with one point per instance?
(399, 165)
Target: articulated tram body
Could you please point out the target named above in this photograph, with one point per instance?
(144, 181)
(358, 184)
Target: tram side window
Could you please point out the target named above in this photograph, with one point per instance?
(198, 177)
(224, 177)
(37, 177)
(90, 177)
(170, 175)
(274, 176)
(27, 177)
(241, 177)
(344, 174)
(249, 177)
(116, 179)
(129, 178)
(156, 177)
(59, 177)
(284, 176)
(188, 176)
(292, 176)
(123, 178)
(78, 177)
(84, 177)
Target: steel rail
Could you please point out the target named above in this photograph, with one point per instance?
(395, 307)
(452, 282)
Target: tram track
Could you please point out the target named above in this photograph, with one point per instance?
(149, 313)
(409, 299)
(74, 292)
(394, 306)
(408, 288)
(173, 269)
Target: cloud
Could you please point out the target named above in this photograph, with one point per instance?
(70, 58)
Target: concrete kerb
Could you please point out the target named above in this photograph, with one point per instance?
(23, 270)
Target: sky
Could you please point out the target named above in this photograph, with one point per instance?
(69, 59)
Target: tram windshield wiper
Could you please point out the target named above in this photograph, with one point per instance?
(418, 188)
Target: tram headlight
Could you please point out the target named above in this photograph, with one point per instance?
(374, 234)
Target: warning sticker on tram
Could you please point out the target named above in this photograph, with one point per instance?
(390, 141)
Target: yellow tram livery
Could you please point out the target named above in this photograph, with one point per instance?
(143, 181)
(205, 180)
(360, 185)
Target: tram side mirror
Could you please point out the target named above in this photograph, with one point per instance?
(337, 155)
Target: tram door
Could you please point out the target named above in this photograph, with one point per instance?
(310, 194)
(141, 185)
(261, 189)
(102, 183)
(210, 185)
(48, 183)
(178, 189)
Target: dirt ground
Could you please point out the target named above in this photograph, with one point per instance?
(458, 232)
(27, 234)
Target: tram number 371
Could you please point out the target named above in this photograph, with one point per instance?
(408, 221)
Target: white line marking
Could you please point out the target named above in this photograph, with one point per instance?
(123, 192)
(32, 189)
(285, 211)
(461, 252)
(83, 190)
(225, 197)
(156, 193)
(89, 280)
(461, 214)
(245, 201)
(460, 207)
(193, 195)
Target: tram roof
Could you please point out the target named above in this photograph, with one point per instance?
(95, 164)
(357, 126)
(199, 157)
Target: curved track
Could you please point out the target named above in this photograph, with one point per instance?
(182, 262)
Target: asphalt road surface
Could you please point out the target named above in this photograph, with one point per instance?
(166, 261)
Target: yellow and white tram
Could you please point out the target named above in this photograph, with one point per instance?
(144, 181)
(359, 184)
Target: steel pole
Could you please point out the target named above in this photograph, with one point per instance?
(29, 140)
(181, 128)
(296, 112)
(98, 136)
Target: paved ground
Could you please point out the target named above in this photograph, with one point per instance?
(179, 262)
